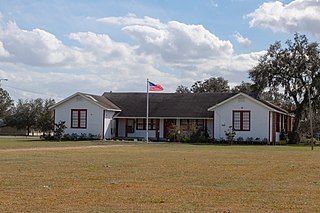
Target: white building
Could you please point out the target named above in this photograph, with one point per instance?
(123, 115)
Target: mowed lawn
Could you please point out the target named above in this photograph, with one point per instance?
(137, 177)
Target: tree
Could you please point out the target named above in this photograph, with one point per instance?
(33, 115)
(293, 70)
(45, 120)
(244, 87)
(6, 103)
(182, 89)
(211, 85)
(59, 130)
(23, 116)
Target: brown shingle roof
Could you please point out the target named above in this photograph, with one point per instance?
(167, 104)
(102, 101)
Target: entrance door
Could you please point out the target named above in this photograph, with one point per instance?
(168, 124)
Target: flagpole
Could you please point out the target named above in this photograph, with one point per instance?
(147, 120)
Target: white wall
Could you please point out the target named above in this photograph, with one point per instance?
(95, 116)
(210, 127)
(259, 118)
(108, 124)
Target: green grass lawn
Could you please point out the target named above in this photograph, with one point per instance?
(157, 177)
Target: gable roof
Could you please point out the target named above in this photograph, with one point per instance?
(263, 103)
(168, 105)
(95, 99)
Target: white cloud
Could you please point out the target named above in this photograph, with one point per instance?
(179, 42)
(297, 16)
(3, 51)
(131, 19)
(36, 47)
(170, 53)
(242, 40)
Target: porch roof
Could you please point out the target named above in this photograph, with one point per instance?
(166, 104)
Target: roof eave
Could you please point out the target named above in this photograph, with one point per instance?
(86, 98)
(249, 97)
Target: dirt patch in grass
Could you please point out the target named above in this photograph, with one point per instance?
(161, 177)
(57, 148)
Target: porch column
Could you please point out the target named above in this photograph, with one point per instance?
(157, 129)
(126, 128)
(274, 127)
(205, 122)
(213, 123)
(117, 127)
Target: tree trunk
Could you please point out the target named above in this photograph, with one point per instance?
(294, 136)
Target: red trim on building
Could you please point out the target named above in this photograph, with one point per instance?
(241, 128)
(274, 127)
(78, 126)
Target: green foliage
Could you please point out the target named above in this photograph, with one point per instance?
(6, 103)
(59, 129)
(192, 135)
(211, 85)
(292, 69)
(45, 120)
(182, 89)
(283, 135)
(244, 87)
(282, 142)
(230, 134)
(81, 137)
(307, 141)
(32, 114)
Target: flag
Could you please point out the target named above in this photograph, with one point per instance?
(155, 87)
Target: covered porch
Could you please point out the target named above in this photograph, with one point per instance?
(159, 129)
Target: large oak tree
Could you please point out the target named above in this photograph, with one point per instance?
(292, 70)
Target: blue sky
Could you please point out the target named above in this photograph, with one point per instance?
(56, 48)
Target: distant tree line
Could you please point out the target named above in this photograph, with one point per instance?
(29, 115)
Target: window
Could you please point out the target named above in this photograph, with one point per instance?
(141, 124)
(79, 118)
(130, 126)
(200, 124)
(152, 124)
(187, 124)
(241, 120)
(184, 124)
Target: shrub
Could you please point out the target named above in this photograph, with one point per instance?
(198, 139)
(230, 134)
(240, 139)
(282, 142)
(249, 139)
(283, 135)
(59, 129)
(265, 141)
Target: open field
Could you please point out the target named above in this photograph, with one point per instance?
(157, 177)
